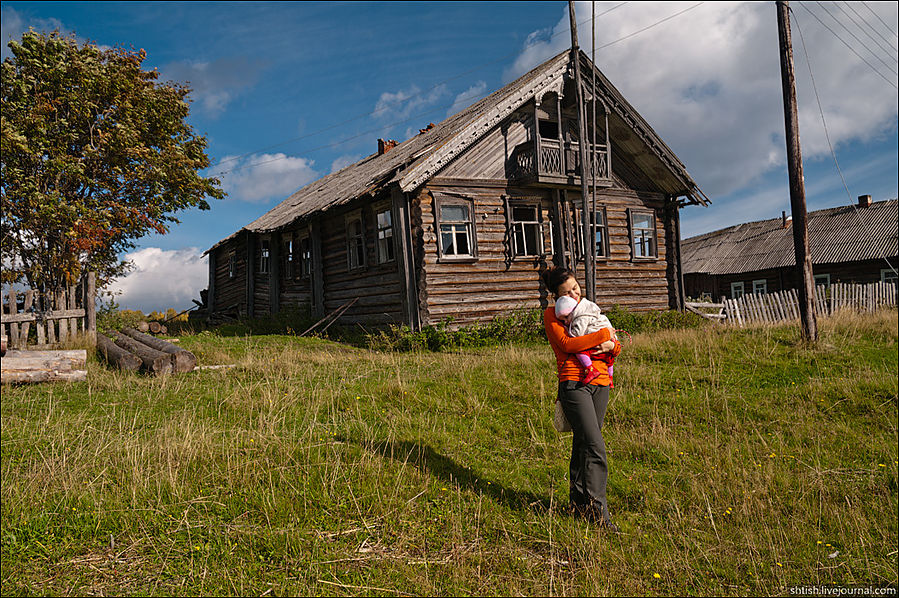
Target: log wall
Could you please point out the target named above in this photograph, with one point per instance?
(231, 293)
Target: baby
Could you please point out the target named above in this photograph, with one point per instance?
(583, 317)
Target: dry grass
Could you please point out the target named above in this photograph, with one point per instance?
(313, 468)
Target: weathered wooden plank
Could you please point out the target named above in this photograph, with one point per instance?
(53, 315)
(182, 360)
(13, 327)
(43, 366)
(153, 361)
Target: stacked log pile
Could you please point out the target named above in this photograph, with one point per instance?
(43, 366)
(133, 350)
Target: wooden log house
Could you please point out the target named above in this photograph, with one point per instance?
(458, 221)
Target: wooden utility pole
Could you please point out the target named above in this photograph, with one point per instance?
(797, 182)
(589, 243)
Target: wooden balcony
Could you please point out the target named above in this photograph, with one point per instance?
(558, 163)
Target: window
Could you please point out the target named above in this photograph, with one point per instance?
(736, 290)
(643, 235)
(759, 287)
(232, 265)
(601, 239)
(822, 280)
(456, 230)
(384, 220)
(355, 241)
(264, 254)
(288, 258)
(304, 257)
(888, 275)
(527, 233)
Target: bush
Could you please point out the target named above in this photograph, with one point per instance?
(111, 317)
(522, 326)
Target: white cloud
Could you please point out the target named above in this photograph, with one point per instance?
(395, 107)
(709, 83)
(262, 177)
(344, 161)
(214, 84)
(161, 279)
(468, 97)
(14, 25)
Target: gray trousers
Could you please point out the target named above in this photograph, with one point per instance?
(585, 408)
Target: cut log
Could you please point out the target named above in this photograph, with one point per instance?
(182, 359)
(116, 355)
(143, 326)
(43, 366)
(157, 328)
(153, 361)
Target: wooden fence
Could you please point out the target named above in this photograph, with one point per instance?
(784, 305)
(48, 319)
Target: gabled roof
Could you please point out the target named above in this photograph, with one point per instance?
(411, 163)
(843, 234)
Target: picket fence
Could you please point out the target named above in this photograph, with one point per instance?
(783, 306)
(45, 319)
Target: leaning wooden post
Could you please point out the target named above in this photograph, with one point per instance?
(90, 308)
(797, 185)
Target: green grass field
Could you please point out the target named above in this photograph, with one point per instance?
(741, 462)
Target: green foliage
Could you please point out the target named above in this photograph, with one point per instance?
(111, 317)
(523, 326)
(95, 154)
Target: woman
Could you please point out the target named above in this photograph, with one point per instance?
(584, 404)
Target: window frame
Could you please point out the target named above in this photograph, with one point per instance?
(356, 242)
(764, 284)
(734, 286)
(577, 212)
(303, 252)
(471, 229)
(516, 233)
(888, 275)
(824, 277)
(287, 246)
(390, 242)
(232, 265)
(265, 256)
(654, 241)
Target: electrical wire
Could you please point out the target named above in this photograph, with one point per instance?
(830, 145)
(869, 29)
(864, 45)
(851, 49)
(871, 10)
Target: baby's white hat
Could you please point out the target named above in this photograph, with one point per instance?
(565, 305)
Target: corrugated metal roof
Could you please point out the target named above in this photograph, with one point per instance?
(430, 150)
(842, 234)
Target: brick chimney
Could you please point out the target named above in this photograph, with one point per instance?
(385, 146)
(864, 201)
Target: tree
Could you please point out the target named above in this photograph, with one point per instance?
(96, 153)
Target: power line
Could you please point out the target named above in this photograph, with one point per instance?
(864, 45)
(865, 4)
(336, 143)
(833, 153)
(398, 101)
(870, 28)
(851, 49)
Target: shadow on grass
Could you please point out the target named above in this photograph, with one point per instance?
(427, 460)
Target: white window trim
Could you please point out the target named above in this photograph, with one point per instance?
(516, 230)
(763, 282)
(379, 209)
(655, 234)
(604, 231)
(733, 289)
(439, 204)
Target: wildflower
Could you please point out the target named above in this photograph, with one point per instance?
(657, 576)
(820, 542)
(780, 564)
(881, 465)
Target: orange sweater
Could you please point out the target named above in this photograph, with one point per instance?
(565, 346)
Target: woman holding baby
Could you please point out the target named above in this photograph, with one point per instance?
(584, 364)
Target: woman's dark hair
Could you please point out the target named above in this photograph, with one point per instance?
(555, 276)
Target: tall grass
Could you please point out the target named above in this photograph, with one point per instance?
(741, 462)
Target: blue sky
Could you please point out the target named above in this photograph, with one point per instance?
(287, 92)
